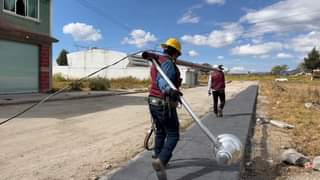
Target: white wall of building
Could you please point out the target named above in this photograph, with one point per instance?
(80, 64)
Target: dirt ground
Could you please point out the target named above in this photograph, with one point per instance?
(267, 144)
(82, 139)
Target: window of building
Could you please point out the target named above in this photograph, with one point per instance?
(10, 5)
(33, 8)
(26, 8)
(21, 7)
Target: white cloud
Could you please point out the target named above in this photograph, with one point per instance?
(237, 68)
(219, 2)
(139, 38)
(193, 53)
(305, 43)
(220, 57)
(264, 56)
(196, 6)
(217, 38)
(199, 40)
(284, 16)
(188, 17)
(257, 49)
(82, 32)
(284, 56)
(257, 40)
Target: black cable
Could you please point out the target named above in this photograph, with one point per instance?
(102, 13)
(66, 87)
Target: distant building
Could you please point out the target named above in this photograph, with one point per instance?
(25, 46)
(82, 63)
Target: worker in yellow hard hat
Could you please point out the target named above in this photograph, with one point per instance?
(173, 43)
(163, 101)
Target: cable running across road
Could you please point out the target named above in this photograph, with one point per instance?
(67, 87)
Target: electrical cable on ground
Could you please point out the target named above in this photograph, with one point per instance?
(66, 87)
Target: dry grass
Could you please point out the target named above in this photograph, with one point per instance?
(99, 83)
(286, 103)
(253, 77)
(129, 83)
(269, 77)
(203, 79)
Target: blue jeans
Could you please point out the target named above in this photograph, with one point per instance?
(167, 131)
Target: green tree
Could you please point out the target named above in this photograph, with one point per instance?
(62, 60)
(205, 71)
(302, 67)
(279, 69)
(312, 61)
(206, 64)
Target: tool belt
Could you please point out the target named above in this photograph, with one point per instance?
(156, 101)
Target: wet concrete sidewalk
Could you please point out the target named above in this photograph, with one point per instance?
(193, 157)
(14, 99)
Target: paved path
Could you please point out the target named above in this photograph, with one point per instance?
(193, 157)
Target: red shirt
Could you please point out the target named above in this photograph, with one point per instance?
(217, 81)
(155, 90)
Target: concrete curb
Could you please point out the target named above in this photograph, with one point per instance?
(247, 145)
(67, 98)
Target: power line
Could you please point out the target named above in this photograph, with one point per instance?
(103, 14)
(78, 46)
(245, 35)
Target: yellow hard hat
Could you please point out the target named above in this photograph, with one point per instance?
(174, 43)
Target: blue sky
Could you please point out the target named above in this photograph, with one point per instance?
(244, 35)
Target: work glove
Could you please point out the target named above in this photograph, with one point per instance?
(149, 56)
(175, 95)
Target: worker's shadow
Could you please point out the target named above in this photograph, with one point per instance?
(208, 166)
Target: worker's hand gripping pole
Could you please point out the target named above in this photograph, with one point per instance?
(188, 108)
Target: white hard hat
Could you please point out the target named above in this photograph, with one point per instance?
(216, 66)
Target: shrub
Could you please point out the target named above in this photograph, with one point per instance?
(62, 60)
(99, 84)
(76, 86)
(59, 78)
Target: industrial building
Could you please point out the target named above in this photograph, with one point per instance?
(82, 63)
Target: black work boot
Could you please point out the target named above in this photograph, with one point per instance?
(159, 167)
(216, 113)
(220, 114)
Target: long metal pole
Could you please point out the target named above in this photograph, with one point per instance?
(188, 108)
